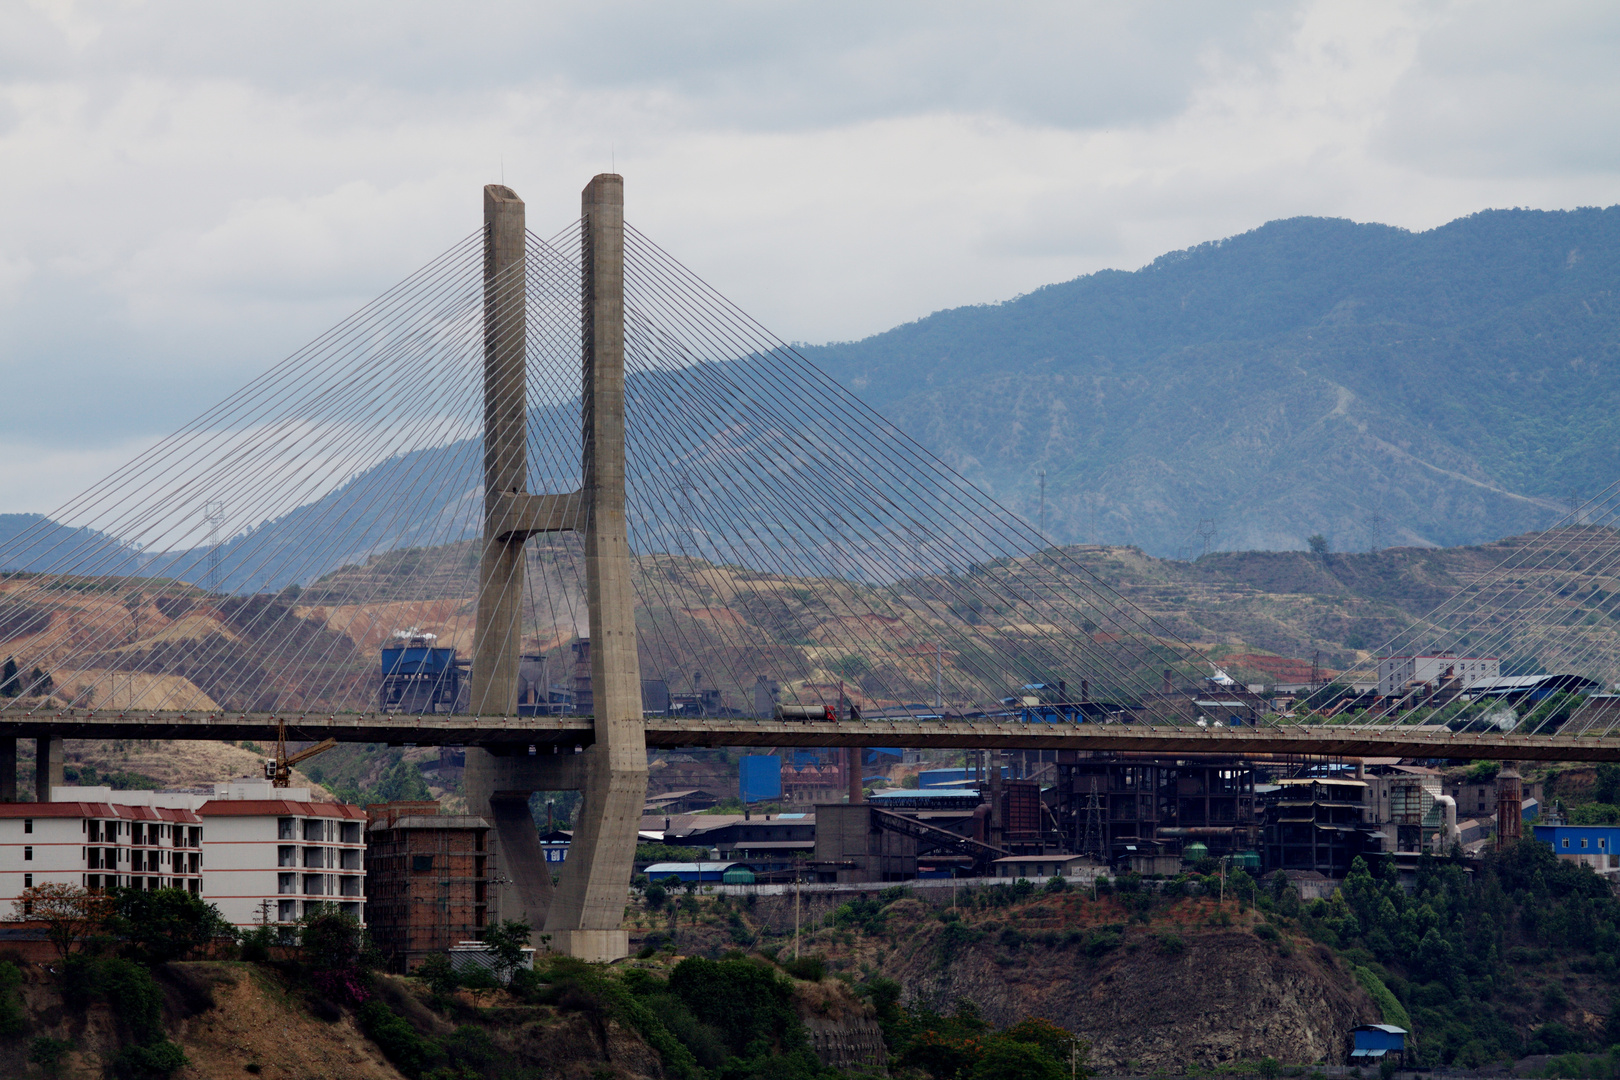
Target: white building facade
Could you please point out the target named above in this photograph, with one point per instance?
(94, 843)
(273, 855)
(1397, 673)
(258, 852)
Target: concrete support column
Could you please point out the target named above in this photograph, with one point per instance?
(48, 761)
(497, 637)
(8, 770)
(586, 915)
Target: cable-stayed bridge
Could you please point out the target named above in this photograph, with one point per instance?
(578, 465)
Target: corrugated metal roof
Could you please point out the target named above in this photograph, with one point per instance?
(260, 807)
(96, 810)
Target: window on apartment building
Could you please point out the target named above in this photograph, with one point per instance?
(28, 853)
(349, 886)
(314, 884)
(194, 862)
(196, 836)
(286, 855)
(1566, 841)
(314, 857)
(287, 911)
(1583, 841)
(286, 883)
(28, 881)
(350, 832)
(286, 829)
(93, 881)
(421, 863)
(1603, 844)
(137, 834)
(28, 824)
(314, 830)
(350, 860)
(95, 831)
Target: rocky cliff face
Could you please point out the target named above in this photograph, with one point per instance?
(844, 1031)
(1159, 999)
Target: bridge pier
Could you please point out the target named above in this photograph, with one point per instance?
(48, 768)
(8, 770)
(587, 913)
(583, 915)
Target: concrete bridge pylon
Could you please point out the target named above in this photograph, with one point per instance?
(582, 915)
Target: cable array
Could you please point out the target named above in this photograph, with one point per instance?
(1548, 604)
(790, 544)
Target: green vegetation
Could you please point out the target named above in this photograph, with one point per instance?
(12, 1021)
(363, 773)
(1456, 956)
(961, 1046)
(117, 779)
(657, 853)
(135, 1001)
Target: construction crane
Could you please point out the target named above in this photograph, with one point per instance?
(278, 770)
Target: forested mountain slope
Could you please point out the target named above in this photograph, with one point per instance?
(1305, 377)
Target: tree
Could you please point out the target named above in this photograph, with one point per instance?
(1318, 544)
(330, 940)
(506, 941)
(1606, 789)
(73, 916)
(1009, 1060)
(169, 924)
(8, 678)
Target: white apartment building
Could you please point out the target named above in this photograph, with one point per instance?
(97, 843)
(272, 854)
(258, 852)
(1397, 673)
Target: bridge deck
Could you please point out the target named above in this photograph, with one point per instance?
(548, 734)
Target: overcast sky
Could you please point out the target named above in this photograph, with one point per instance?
(190, 191)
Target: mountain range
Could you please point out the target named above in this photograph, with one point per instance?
(1376, 386)
(1370, 384)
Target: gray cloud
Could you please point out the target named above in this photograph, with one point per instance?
(192, 190)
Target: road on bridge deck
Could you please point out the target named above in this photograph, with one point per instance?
(562, 734)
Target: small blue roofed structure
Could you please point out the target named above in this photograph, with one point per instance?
(1373, 1042)
(701, 873)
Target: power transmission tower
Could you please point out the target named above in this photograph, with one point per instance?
(1092, 841)
(1043, 504)
(214, 514)
(1206, 532)
(1375, 526)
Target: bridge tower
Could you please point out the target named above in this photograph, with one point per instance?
(582, 915)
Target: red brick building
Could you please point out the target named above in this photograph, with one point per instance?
(427, 880)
